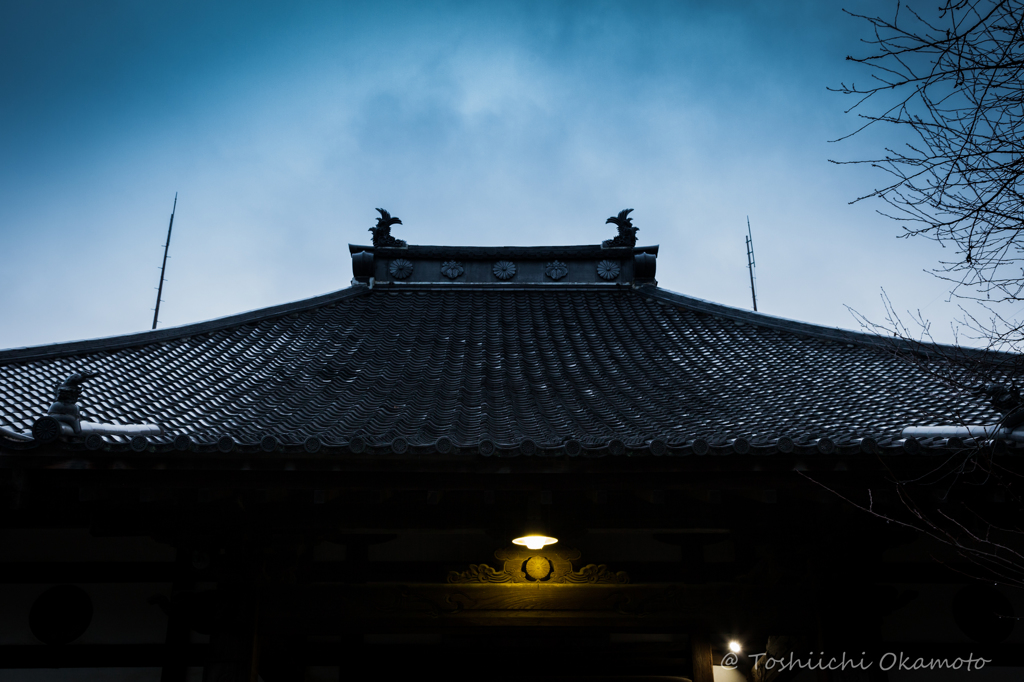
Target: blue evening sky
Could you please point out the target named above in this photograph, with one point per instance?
(283, 125)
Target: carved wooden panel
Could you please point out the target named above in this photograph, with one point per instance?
(547, 565)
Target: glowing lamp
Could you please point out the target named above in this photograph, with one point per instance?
(735, 647)
(534, 541)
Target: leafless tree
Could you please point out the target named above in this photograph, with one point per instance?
(971, 499)
(953, 80)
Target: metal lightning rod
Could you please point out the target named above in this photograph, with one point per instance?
(750, 263)
(163, 268)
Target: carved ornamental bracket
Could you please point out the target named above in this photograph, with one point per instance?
(547, 565)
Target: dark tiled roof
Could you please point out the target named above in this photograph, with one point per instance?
(423, 251)
(548, 365)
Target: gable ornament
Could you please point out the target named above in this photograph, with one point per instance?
(550, 564)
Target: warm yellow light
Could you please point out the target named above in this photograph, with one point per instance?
(535, 541)
(735, 647)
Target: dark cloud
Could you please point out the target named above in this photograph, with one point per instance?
(283, 126)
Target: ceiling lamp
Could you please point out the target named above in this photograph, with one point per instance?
(534, 541)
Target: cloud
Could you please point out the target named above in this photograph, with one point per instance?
(283, 126)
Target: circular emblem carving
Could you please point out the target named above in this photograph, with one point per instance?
(527, 447)
(504, 270)
(444, 445)
(139, 443)
(399, 445)
(182, 442)
(486, 447)
(608, 269)
(400, 268)
(658, 447)
(556, 270)
(452, 269)
(573, 448)
(93, 442)
(268, 444)
(311, 445)
(226, 444)
(701, 446)
(46, 429)
(537, 567)
(357, 444)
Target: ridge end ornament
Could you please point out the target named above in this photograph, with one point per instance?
(65, 408)
(627, 231)
(382, 230)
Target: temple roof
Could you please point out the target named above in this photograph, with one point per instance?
(509, 355)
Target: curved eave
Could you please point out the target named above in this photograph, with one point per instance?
(240, 453)
(160, 335)
(834, 334)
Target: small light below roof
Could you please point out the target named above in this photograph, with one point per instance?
(535, 541)
(735, 647)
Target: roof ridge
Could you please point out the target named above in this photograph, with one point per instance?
(819, 331)
(133, 339)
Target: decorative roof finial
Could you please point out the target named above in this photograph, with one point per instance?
(627, 233)
(65, 408)
(64, 418)
(1007, 400)
(382, 232)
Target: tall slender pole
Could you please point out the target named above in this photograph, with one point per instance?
(750, 263)
(163, 268)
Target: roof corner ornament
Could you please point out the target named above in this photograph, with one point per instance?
(627, 232)
(382, 231)
(1007, 400)
(65, 409)
(1004, 399)
(64, 418)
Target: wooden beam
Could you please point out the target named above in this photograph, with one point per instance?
(641, 572)
(703, 665)
(338, 609)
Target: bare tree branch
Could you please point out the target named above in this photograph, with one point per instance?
(955, 83)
